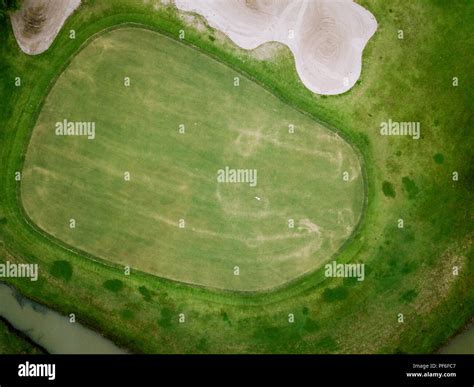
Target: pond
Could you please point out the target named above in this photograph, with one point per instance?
(49, 329)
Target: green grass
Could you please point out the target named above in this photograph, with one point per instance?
(173, 175)
(113, 285)
(13, 343)
(408, 80)
(61, 269)
(388, 189)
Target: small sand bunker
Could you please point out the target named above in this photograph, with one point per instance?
(327, 37)
(38, 22)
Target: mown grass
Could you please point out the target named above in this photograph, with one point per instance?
(298, 175)
(403, 80)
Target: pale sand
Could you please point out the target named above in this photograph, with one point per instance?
(328, 35)
(38, 22)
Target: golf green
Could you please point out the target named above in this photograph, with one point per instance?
(150, 154)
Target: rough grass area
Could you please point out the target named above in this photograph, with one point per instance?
(13, 343)
(408, 270)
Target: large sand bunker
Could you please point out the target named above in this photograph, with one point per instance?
(38, 22)
(327, 37)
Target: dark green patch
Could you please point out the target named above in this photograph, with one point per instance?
(61, 270)
(225, 317)
(388, 189)
(438, 158)
(165, 320)
(409, 296)
(409, 267)
(410, 187)
(114, 285)
(335, 294)
(127, 314)
(145, 293)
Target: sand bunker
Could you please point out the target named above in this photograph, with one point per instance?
(327, 37)
(38, 22)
